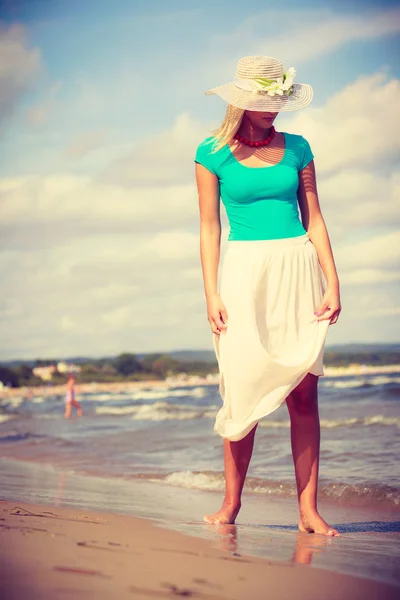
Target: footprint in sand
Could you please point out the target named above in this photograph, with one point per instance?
(78, 571)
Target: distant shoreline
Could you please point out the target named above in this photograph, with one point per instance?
(361, 369)
(179, 381)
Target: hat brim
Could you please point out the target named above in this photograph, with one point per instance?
(261, 101)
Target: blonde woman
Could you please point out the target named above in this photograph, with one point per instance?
(271, 310)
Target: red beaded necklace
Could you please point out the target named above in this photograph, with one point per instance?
(252, 144)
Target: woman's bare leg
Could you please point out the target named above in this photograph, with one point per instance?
(68, 408)
(305, 437)
(78, 407)
(237, 457)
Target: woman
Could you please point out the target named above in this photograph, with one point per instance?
(271, 315)
(70, 400)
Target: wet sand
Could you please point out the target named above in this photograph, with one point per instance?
(52, 552)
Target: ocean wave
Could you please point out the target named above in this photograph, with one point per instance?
(151, 394)
(13, 401)
(107, 397)
(363, 493)
(212, 481)
(191, 480)
(37, 399)
(159, 411)
(165, 411)
(356, 382)
(4, 418)
(115, 410)
(19, 436)
(333, 423)
(197, 392)
(47, 416)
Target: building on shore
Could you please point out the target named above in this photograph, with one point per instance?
(64, 367)
(45, 373)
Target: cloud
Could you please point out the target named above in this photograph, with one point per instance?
(369, 272)
(177, 246)
(105, 294)
(357, 198)
(19, 67)
(164, 159)
(366, 276)
(84, 144)
(369, 313)
(315, 33)
(122, 292)
(356, 127)
(38, 212)
(38, 114)
(381, 252)
(303, 35)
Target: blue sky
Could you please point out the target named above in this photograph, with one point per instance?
(101, 108)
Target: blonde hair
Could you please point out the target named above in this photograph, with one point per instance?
(228, 127)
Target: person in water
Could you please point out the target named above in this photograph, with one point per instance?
(279, 289)
(70, 400)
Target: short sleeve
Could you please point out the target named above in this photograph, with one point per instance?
(306, 154)
(204, 155)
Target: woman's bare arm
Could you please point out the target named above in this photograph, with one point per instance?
(210, 244)
(314, 224)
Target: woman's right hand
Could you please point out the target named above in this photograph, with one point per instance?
(217, 315)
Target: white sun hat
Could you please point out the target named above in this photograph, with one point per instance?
(261, 83)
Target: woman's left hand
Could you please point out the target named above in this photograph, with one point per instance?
(330, 306)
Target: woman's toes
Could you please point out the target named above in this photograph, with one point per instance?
(212, 519)
(225, 516)
(333, 533)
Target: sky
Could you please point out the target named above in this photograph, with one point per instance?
(102, 106)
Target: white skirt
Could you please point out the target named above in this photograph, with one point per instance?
(271, 289)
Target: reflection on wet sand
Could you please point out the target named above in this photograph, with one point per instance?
(226, 536)
(305, 544)
(60, 486)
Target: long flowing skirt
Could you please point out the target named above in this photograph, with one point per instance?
(271, 289)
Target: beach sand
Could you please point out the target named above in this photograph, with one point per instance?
(49, 553)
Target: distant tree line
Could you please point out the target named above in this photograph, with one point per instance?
(131, 367)
(343, 359)
(125, 367)
(18, 376)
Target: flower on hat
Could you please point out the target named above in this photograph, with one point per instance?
(275, 88)
(282, 85)
(287, 79)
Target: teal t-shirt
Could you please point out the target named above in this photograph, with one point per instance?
(260, 202)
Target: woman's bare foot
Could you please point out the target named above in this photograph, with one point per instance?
(225, 516)
(314, 523)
